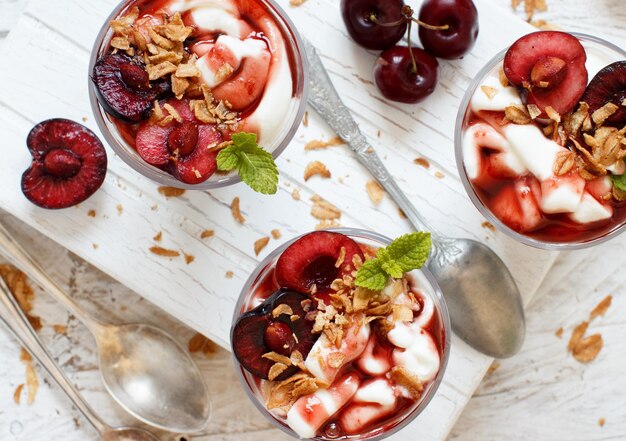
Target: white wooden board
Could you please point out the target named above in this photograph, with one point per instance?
(45, 75)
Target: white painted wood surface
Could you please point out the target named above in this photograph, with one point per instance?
(182, 219)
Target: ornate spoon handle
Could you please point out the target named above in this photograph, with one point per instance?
(326, 101)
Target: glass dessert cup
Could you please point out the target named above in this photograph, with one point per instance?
(282, 135)
(261, 284)
(602, 54)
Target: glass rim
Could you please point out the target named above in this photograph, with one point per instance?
(469, 188)
(440, 306)
(130, 157)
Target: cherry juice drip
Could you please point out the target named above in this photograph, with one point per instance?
(554, 227)
(267, 285)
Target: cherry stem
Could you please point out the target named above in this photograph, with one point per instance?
(407, 16)
(414, 69)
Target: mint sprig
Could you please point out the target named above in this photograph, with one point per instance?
(255, 166)
(406, 253)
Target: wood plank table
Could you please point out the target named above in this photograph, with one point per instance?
(181, 221)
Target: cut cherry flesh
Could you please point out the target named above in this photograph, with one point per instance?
(357, 16)
(397, 79)
(312, 259)
(557, 60)
(460, 16)
(609, 86)
(69, 164)
(183, 147)
(123, 89)
(258, 332)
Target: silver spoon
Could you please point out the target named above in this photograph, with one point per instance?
(15, 320)
(150, 375)
(484, 302)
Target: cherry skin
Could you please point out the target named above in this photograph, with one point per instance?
(397, 79)
(462, 18)
(357, 16)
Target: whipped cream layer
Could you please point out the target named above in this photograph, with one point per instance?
(516, 151)
(248, 68)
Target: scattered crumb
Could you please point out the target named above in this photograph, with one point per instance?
(59, 329)
(341, 179)
(545, 25)
(25, 356)
(488, 226)
(401, 213)
(91, 213)
(494, 367)
(158, 236)
(559, 332)
(189, 258)
(160, 251)
(317, 144)
(530, 7)
(95, 246)
(295, 194)
(324, 224)
(171, 192)
(207, 233)
(422, 161)
(120, 209)
(601, 422)
(316, 168)
(84, 118)
(588, 348)
(123, 308)
(374, 191)
(276, 234)
(154, 207)
(577, 335)
(260, 244)
(439, 175)
(378, 133)
(296, 2)
(324, 210)
(199, 343)
(22, 291)
(31, 382)
(229, 274)
(17, 395)
(601, 308)
(305, 119)
(234, 209)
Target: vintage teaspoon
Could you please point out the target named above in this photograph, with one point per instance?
(15, 320)
(150, 375)
(485, 304)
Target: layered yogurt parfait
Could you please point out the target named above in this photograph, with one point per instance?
(540, 140)
(323, 356)
(174, 82)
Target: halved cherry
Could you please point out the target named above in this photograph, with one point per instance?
(258, 332)
(550, 67)
(69, 164)
(609, 86)
(312, 259)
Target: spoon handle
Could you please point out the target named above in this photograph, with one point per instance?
(14, 252)
(323, 97)
(12, 316)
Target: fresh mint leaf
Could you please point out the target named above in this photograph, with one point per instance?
(371, 275)
(619, 181)
(255, 166)
(406, 253)
(410, 251)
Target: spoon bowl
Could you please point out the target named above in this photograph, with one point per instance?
(147, 371)
(142, 367)
(485, 306)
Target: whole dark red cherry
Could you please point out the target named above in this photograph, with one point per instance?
(462, 18)
(364, 21)
(399, 80)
